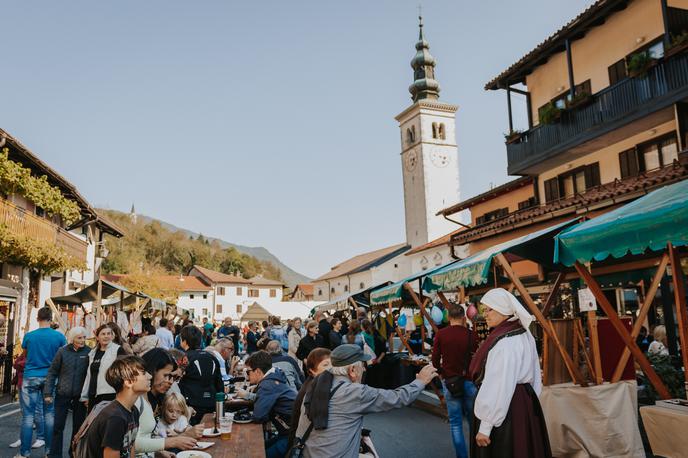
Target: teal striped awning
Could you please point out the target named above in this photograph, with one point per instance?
(395, 291)
(648, 223)
(475, 270)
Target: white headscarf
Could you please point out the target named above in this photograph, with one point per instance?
(506, 303)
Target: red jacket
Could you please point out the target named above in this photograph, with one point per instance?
(450, 348)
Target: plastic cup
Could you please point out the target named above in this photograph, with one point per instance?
(226, 427)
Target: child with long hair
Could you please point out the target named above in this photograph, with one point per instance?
(174, 416)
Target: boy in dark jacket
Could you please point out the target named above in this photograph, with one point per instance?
(202, 378)
(274, 400)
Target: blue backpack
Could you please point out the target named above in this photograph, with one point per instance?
(280, 335)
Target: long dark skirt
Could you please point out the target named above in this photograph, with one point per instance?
(523, 433)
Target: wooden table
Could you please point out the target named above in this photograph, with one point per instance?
(246, 441)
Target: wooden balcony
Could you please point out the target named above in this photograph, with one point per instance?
(630, 101)
(19, 221)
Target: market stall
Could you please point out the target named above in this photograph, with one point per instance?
(284, 310)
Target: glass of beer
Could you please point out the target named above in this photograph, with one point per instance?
(226, 427)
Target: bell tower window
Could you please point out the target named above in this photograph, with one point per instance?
(411, 135)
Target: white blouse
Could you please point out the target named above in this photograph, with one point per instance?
(511, 361)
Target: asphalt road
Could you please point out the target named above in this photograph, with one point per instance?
(407, 432)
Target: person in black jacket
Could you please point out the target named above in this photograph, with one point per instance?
(335, 336)
(310, 341)
(202, 378)
(69, 366)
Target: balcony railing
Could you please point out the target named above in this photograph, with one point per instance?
(19, 221)
(633, 98)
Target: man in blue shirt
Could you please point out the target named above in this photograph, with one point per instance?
(40, 347)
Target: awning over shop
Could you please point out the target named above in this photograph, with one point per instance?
(650, 222)
(90, 293)
(363, 298)
(395, 291)
(475, 269)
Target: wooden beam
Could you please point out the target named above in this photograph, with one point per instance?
(623, 333)
(404, 341)
(569, 66)
(681, 313)
(595, 346)
(578, 330)
(421, 305)
(508, 106)
(545, 359)
(546, 325)
(642, 314)
(553, 294)
(56, 312)
(99, 302)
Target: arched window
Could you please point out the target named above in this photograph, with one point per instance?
(441, 132)
(332, 290)
(346, 288)
(434, 130)
(361, 286)
(411, 135)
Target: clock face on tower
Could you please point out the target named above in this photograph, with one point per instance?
(439, 159)
(411, 160)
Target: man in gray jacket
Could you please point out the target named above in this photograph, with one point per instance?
(349, 401)
(286, 363)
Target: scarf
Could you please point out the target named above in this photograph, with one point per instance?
(504, 329)
(317, 400)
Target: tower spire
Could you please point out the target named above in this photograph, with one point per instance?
(424, 84)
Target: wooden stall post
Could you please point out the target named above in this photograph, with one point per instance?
(642, 314)
(402, 337)
(56, 312)
(545, 359)
(574, 372)
(553, 294)
(578, 330)
(99, 302)
(595, 346)
(421, 305)
(681, 313)
(621, 330)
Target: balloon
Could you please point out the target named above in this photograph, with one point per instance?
(417, 319)
(402, 320)
(437, 315)
(445, 316)
(471, 312)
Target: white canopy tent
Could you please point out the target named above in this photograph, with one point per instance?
(284, 310)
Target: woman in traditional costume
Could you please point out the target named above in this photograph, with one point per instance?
(508, 420)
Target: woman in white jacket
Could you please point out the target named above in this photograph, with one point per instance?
(295, 335)
(96, 388)
(161, 365)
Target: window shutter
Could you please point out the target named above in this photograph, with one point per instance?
(592, 175)
(628, 163)
(551, 189)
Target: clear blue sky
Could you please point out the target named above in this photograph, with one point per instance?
(265, 123)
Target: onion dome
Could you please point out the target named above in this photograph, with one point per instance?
(424, 84)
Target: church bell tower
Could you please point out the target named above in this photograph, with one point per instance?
(429, 156)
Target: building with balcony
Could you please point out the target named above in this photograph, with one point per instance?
(22, 219)
(606, 97)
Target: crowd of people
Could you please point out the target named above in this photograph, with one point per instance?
(146, 395)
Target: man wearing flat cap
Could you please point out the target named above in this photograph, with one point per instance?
(333, 408)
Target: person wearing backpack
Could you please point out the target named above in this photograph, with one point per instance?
(110, 429)
(202, 378)
(279, 333)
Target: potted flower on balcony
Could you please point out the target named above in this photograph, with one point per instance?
(581, 99)
(550, 113)
(513, 136)
(679, 44)
(639, 63)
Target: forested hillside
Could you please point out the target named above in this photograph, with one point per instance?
(148, 247)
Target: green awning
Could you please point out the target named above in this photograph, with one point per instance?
(395, 291)
(650, 222)
(475, 269)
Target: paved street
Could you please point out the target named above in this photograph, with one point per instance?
(409, 429)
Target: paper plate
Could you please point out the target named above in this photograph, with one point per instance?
(208, 432)
(193, 454)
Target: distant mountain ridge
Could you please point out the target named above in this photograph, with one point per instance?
(290, 276)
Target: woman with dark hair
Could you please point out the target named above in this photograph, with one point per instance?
(118, 339)
(147, 341)
(96, 388)
(317, 362)
(202, 379)
(160, 365)
(354, 335)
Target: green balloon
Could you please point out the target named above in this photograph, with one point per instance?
(445, 316)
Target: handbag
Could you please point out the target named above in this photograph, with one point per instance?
(455, 384)
(296, 451)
